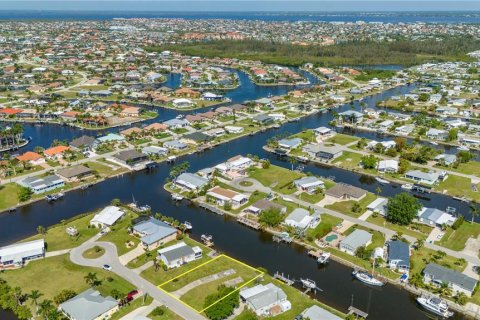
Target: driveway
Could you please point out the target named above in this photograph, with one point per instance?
(111, 258)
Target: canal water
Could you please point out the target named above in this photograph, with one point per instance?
(253, 247)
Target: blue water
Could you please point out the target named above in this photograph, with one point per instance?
(386, 17)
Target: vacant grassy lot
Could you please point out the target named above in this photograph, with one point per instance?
(346, 206)
(420, 258)
(104, 170)
(349, 160)
(51, 275)
(419, 231)
(456, 239)
(342, 139)
(311, 198)
(9, 195)
(307, 135)
(277, 178)
(57, 238)
(459, 187)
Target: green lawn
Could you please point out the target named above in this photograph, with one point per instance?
(349, 160)
(420, 258)
(378, 239)
(325, 226)
(456, 239)
(167, 315)
(346, 206)
(458, 186)
(119, 234)
(9, 195)
(307, 135)
(419, 231)
(51, 275)
(57, 238)
(342, 139)
(277, 178)
(254, 197)
(132, 305)
(93, 253)
(311, 198)
(471, 167)
(104, 170)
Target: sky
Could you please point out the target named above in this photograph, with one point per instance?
(241, 5)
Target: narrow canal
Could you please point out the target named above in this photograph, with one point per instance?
(230, 237)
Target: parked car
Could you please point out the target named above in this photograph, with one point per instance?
(107, 267)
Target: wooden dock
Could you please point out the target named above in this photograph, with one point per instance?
(211, 208)
(315, 253)
(279, 239)
(285, 279)
(357, 312)
(249, 223)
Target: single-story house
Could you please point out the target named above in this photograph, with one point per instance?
(175, 145)
(435, 217)
(317, 313)
(399, 256)
(344, 191)
(358, 238)
(107, 217)
(378, 205)
(75, 173)
(190, 181)
(301, 219)
(265, 300)
(446, 159)
(183, 103)
(265, 205)
(42, 184)
(458, 282)
(154, 233)
(83, 143)
(322, 151)
(154, 151)
(309, 184)
(289, 144)
(429, 178)
(17, 254)
(31, 157)
(436, 134)
(351, 116)
(176, 123)
(223, 196)
(179, 254)
(323, 131)
(89, 305)
(389, 165)
(55, 153)
(196, 138)
(130, 157)
(262, 119)
(111, 137)
(234, 129)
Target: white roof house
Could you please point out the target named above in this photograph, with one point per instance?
(179, 254)
(107, 217)
(301, 219)
(317, 313)
(423, 177)
(378, 205)
(358, 238)
(388, 165)
(263, 298)
(17, 254)
(433, 216)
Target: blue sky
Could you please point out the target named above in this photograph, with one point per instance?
(241, 5)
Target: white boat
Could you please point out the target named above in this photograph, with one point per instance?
(188, 225)
(435, 305)
(463, 148)
(177, 197)
(54, 197)
(407, 186)
(382, 181)
(307, 283)
(367, 278)
(324, 257)
(433, 143)
(171, 159)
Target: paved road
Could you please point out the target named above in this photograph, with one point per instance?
(111, 258)
(387, 232)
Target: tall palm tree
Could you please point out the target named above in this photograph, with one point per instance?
(292, 161)
(474, 210)
(34, 296)
(45, 308)
(91, 279)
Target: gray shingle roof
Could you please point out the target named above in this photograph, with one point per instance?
(399, 250)
(154, 230)
(88, 305)
(442, 274)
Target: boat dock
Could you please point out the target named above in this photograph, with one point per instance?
(279, 239)
(357, 312)
(285, 279)
(249, 223)
(211, 208)
(315, 253)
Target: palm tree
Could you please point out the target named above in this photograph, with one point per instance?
(34, 296)
(292, 161)
(416, 280)
(17, 292)
(474, 210)
(445, 290)
(419, 244)
(46, 307)
(91, 279)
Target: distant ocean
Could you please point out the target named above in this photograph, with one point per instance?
(385, 17)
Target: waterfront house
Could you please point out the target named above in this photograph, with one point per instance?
(428, 178)
(436, 134)
(301, 219)
(183, 103)
(130, 158)
(154, 151)
(42, 184)
(342, 191)
(111, 137)
(437, 275)
(398, 256)
(107, 217)
(175, 145)
(75, 173)
(155, 128)
(435, 217)
(405, 129)
(317, 313)
(309, 184)
(351, 116)
(55, 153)
(455, 123)
(358, 238)
(265, 300)
(15, 255)
(190, 182)
(179, 254)
(446, 159)
(31, 157)
(89, 305)
(83, 143)
(173, 124)
(131, 132)
(196, 138)
(223, 196)
(322, 152)
(234, 129)
(263, 205)
(389, 166)
(154, 233)
(387, 144)
(324, 132)
(262, 119)
(289, 144)
(379, 206)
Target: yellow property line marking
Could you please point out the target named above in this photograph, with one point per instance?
(202, 265)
